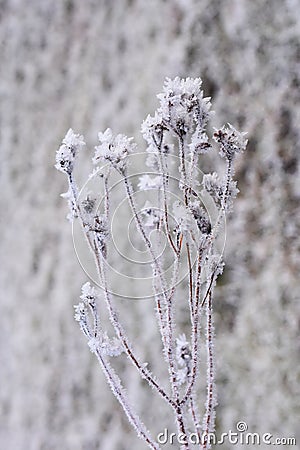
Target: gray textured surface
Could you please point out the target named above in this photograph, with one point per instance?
(90, 65)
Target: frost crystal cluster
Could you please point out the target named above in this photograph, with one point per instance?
(177, 131)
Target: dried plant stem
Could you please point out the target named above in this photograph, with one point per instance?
(164, 175)
(141, 229)
(145, 373)
(173, 380)
(195, 332)
(115, 384)
(195, 418)
(208, 422)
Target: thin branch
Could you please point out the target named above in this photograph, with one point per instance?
(208, 422)
(116, 387)
(195, 417)
(195, 332)
(165, 179)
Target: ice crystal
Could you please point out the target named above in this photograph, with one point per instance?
(105, 345)
(182, 105)
(183, 356)
(71, 204)
(88, 204)
(152, 215)
(146, 182)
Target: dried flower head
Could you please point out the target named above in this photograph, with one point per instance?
(231, 141)
(105, 345)
(113, 149)
(152, 128)
(67, 152)
(88, 294)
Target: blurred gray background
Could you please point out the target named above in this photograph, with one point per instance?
(93, 64)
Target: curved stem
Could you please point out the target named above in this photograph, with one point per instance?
(112, 313)
(208, 422)
(116, 386)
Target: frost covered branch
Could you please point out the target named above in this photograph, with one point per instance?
(176, 131)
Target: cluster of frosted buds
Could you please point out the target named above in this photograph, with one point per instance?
(113, 149)
(201, 217)
(183, 356)
(152, 216)
(152, 160)
(182, 105)
(183, 109)
(215, 187)
(67, 152)
(100, 227)
(152, 131)
(231, 141)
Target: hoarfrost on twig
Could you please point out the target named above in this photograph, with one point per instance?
(178, 126)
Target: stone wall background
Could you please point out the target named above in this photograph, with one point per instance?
(95, 64)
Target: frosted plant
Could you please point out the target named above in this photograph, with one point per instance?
(177, 129)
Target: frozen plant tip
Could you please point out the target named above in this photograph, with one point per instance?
(113, 149)
(177, 129)
(67, 152)
(231, 141)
